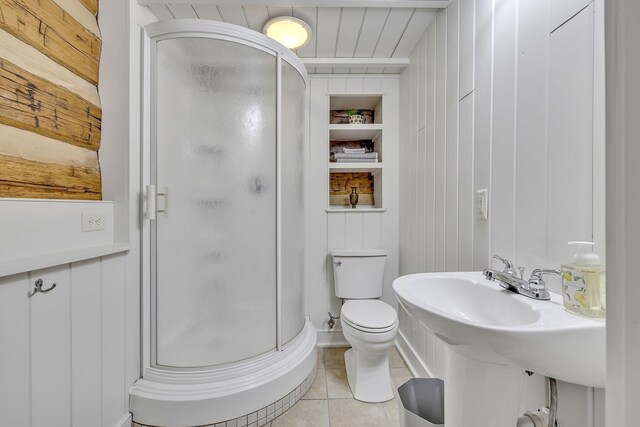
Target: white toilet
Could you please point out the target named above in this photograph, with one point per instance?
(368, 324)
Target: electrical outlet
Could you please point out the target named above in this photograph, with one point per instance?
(93, 221)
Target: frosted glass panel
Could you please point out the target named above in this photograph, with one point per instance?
(216, 243)
(293, 202)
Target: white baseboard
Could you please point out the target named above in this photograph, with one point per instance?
(411, 358)
(333, 338)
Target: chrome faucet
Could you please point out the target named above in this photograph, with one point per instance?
(535, 287)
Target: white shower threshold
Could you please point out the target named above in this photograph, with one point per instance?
(255, 391)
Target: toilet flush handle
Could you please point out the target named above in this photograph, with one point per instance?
(338, 263)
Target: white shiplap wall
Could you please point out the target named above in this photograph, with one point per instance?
(348, 230)
(490, 104)
(63, 358)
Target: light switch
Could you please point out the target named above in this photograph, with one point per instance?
(482, 201)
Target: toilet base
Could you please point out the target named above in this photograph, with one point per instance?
(368, 376)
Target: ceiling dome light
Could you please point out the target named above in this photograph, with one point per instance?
(291, 32)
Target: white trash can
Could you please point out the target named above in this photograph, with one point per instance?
(422, 403)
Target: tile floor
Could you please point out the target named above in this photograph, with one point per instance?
(329, 402)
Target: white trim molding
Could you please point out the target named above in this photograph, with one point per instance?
(356, 62)
(623, 210)
(422, 4)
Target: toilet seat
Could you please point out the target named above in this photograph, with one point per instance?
(370, 315)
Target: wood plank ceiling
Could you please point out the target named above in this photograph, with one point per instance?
(338, 32)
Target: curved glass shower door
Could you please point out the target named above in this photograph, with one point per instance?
(215, 233)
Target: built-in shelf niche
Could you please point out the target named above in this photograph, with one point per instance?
(367, 182)
(366, 175)
(360, 102)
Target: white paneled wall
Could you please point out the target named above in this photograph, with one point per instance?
(500, 96)
(348, 230)
(63, 352)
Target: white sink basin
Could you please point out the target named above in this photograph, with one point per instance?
(486, 323)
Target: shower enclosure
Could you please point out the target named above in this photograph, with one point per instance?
(227, 334)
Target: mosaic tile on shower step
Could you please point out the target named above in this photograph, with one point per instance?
(252, 418)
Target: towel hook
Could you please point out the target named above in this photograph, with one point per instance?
(38, 288)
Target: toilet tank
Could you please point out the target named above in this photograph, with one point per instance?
(358, 274)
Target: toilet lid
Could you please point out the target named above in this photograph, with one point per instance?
(369, 314)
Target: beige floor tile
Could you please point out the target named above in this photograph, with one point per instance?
(337, 384)
(305, 413)
(318, 389)
(352, 413)
(391, 409)
(334, 357)
(399, 376)
(320, 357)
(395, 361)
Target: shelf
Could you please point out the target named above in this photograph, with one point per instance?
(355, 167)
(346, 101)
(348, 132)
(37, 262)
(347, 209)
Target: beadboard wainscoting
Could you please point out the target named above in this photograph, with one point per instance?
(64, 352)
(343, 228)
(504, 96)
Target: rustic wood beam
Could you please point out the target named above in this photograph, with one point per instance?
(28, 179)
(32, 103)
(47, 27)
(92, 5)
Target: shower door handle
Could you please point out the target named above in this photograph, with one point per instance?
(151, 202)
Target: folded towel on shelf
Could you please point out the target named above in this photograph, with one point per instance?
(356, 155)
(351, 150)
(351, 160)
(354, 150)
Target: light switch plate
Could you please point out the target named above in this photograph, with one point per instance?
(482, 202)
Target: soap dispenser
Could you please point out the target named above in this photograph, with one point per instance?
(583, 282)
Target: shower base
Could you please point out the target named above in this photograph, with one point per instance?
(247, 394)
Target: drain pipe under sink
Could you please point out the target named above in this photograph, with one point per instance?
(544, 417)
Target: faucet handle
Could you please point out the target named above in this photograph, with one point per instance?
(536, 282)
(508, 265)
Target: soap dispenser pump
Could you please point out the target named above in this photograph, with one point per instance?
(583, 282)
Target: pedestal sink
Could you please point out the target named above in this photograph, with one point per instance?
(494, 336)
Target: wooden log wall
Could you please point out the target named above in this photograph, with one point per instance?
(50, 115)
(340, 184)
